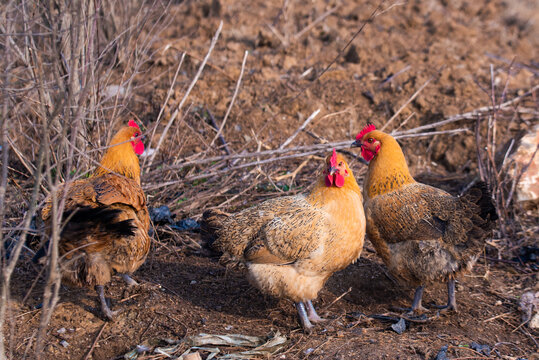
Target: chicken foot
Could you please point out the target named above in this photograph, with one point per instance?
(451, 300)
(311, 313)
(129, 280)
(303, 317)
(104, 306)
(416, 308)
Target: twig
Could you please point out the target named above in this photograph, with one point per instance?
(306, 150)
(305, 123)
(515, 63)
(313, 24)
(369, 20)
(497, 316)
(337, 299)
(166, 99)
(95, 341)
(409, 100)
(216, 127)
(390, 78)
(191, 86)
(233, 97)
(470, 115)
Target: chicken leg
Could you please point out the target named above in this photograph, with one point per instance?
(451, 300)
(416, 308)
(311, 313)
(104, 307)
(303, 318)
(416, 304)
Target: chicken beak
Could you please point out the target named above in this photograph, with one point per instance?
(356, 144)
(332, 170)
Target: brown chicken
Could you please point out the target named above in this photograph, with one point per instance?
(293, 244)
(105, 221)
(422, 233)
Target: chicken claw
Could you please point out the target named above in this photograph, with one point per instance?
(304, 319)
(417, 308)
(129, 280)
(109, 314)
(311, 313)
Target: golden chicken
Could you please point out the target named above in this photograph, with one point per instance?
(293, 244)
(105, 221)
(422, 233)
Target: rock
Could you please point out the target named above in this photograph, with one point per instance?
(529, 305)
(399, 327)
(161, 214)
(528, 186)
(351, 55)
(442, 354)
(483, 349)
(186, 225)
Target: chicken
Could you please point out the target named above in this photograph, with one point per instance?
(422, 233)
(293, 244)
(105, 220)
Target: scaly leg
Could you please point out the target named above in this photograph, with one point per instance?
(311, 313)
(129, 280)
(104, 307)
(451, 300)
(303, 318)
(416, 304)
(416, 308)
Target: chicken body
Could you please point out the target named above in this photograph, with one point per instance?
(105, 220)
(292, 245)
(422, 233)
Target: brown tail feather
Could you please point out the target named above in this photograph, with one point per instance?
(480, 195)
(211, 222)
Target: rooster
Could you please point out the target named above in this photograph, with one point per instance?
(291, 245)
(105, 219)
(422, 233)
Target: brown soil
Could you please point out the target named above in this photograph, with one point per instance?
(185, 291)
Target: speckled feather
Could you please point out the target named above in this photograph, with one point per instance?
(422, 233)
(291, 245)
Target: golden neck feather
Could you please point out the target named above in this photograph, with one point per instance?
(120, 158)
(388, 170)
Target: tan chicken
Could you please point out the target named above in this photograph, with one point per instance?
(293, 244)
(422, 233)
(105, 220)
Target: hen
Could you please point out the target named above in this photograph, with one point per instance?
(422, 233)
(293, 244)
(105, 221)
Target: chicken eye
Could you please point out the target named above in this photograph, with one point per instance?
(370, 140)
(341, 164)
(137, 134)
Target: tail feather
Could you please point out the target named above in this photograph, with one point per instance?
(480, 195)
(101, 218)
(79, 222)
(209, 225)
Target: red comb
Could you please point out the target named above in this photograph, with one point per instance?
(133, 124)
(367, 129)
(333, 159)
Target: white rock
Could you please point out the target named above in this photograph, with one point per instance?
(528, 186)
(529, 304)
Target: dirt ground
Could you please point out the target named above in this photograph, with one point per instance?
(185, 291)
